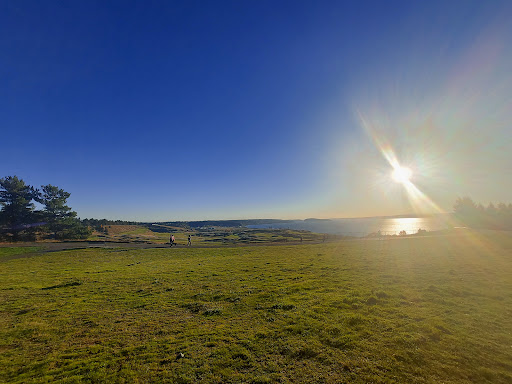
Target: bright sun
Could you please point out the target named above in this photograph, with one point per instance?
(401, 175)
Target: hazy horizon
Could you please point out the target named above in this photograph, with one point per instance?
(179, 111)
(404, 215)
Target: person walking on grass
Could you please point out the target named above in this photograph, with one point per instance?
(173, 241)
(189, 241)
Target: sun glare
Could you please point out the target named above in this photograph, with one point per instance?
(401, 175)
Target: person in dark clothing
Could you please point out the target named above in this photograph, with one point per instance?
(189, 241)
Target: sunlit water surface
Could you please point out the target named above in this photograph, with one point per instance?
(365, 226)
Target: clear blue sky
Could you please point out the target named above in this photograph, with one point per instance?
(180, 110)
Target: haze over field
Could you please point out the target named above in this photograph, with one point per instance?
(214, 110)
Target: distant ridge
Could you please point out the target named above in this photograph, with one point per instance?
(246, 222)
(221, 223)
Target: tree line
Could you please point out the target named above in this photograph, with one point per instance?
(19, 219)
(475, 215)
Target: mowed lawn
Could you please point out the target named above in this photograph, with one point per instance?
(406, 310)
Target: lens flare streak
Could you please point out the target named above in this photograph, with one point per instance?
(419, 201)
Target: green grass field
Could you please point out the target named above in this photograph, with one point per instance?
(407, 310)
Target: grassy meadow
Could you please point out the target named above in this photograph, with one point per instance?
(214, 236)
(431, 309)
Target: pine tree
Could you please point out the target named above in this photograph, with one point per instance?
(61, 220)
(17, 208)
(54, 201)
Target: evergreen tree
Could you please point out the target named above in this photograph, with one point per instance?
(17, 208)
(54, 201)
(467, 211)
(61, 220)
(477, 216)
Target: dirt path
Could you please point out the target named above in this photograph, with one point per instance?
(53, 247)
(66, 246)
(46, 247)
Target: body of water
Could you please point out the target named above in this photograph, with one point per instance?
(367, 225)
